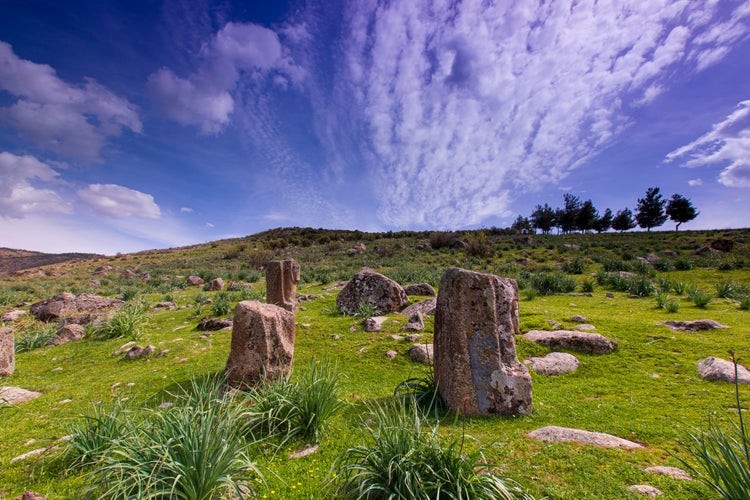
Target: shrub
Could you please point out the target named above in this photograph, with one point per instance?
(701, 299)
(672, 306)
(679, 287)
(366, 309)
(662, 297)
(92, 436)
(745, 303)
(551, 283)
(222, 304)
(587, 286)
(33, 335)
(726, 289)
(129, 293)
(640, 286)
(299, 410)
(404, 458)
(664, 265)
(259, 258)
(478, 246)
(422, 391)
(683, 265)
(440, 239)
(129, 322)
(723, 456)
(574, 266)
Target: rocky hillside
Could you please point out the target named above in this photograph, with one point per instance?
(12, 260)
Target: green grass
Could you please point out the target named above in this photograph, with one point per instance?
(648, 390)
(128, 322)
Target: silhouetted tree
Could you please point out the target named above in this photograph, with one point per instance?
(570, 211)
(680, 209)
(650, 210)
(587, 216)
(559, 216)
(521, 225)
(543, 218)
(623, 220)
(604, 222)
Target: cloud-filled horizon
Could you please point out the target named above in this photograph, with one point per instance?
(126, 127)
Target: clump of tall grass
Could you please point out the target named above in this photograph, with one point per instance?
(366, 309)
(672, 306)
(404, 457)
(551, 283)
(222, 304)
(662, 298)
(700, 298)
(587, 286)
(723, 457)
(127, 322)
(745, 303)
(422, 391)
(300, 410)
(32, 334)
(574, 266)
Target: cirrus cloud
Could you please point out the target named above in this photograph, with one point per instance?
(112, 200)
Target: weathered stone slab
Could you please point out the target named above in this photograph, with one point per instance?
(262, 344)
(574, 340)
(476, 367)
(674, 472)
(554, 363)
(69, 333)
(425, 307)
(7, 352)
(67, 303)
(554, 434)
(282, 277)
(14, 395)
(721, 370)
(697, 325)
(420, 289)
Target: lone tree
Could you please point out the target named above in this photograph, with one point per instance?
(680, 209)
(623, 220)
(604, 222)
(650, 210)
(569, 215)
(543, 218)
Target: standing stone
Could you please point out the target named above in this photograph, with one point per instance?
(476, 367)
(262, 344)
(282, 277)
(7, 352)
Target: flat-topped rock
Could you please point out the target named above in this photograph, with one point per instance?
(425, 307)
(645, 490)
(554, 434)
(722, 370)
(554, 363)
(697, 325)
(15, 395)
(593, 343)
(420, 289)
(373, 323)
(12, 316)
(66, 303)
(664, 470)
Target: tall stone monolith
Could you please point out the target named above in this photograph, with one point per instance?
(7, 352)
(476, 366)
(262, 344)
(282, 277)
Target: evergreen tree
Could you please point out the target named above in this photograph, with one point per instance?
(623, 220)
(587, 216)
(570, 212)
(604, 222)
(650, 210)
(522, 225)
(680, 209)
(543, 218)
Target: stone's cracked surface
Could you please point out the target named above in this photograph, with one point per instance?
(554, 434)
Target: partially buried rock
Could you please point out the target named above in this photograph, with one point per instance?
(215, 285)
(415, 323)
(15, 395)
(195, 280)
(425, 307)
(575, 341)
(30, 495)
(554, 363)
(721, 370)
(422, 353)
(169, 306)
(262, 344)
(421, 289)
(476, 367)
(7, 352)
(391, 354)
(67, 303)
(12, 316)
(373, 323)
(374, 289)
(673, 472)
(645, 490)
(69, 333)
(137, 351)
(697, 325)
(555, 434)
(213, 324)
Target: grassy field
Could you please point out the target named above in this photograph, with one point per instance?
(648, 391)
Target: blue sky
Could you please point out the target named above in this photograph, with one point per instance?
(147, 124)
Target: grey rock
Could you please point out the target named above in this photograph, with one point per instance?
(645, 490)
(65, 304)
(425, 307)
(422, 353)
(15, 395)
(420, 289)
(215, 285)
(373, 288)
(373, 323)
(169, 306)
(593, 343)
(415, 323)
(554, 363)
(697, 325)
(554, 434)
(12, 316)
(195, 280)
(138, 351)
(69, 333)
(578, 319)
(213, 324)
(674, 472)
(721, 370)
(391, 354)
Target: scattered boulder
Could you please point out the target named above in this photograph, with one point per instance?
(30, 495)
(391, 354)
(129, 274)
(593, 343)
(195, 280)
(422, 353)
(554, 363)
(69, 333)
(303, 453)
(555, 434)
(7, 352)
(215, 285)
(476, 367)
(651, 258)
(412, 337)
(578, 319)
(66, 303)
(235, 286)
(373, 323)
(169, 306)
(138, 351)
(282, 277)
(15, 395)
(704, 250)
(12, 316)
(585, 327)
(373, 288)
(645, 490)
(262, 344)
(674, 472)
(425, 307)
(213, 324)
(420, 289)
(721, 370)
(722, 245)
(415, 323)
(697, 325)
(102, 270)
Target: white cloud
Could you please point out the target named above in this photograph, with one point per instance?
(465, 106)
(695, 182)
(727, 144)
(19, 191)
(204, 97)
(186, 210)
(209, 225)
(112, 200)
(72, 121)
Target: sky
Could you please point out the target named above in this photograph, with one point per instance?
(138, 124)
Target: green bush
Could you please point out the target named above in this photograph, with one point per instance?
(662, 298)
(700, 298)
(92, 436)
(128, 322)
(587, 286)
(33, 334)
(222, 304)
(672, 306)
(726, 289)
(551, 283)
(405, 458)
(574, 266)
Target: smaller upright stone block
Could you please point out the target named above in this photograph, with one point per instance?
(7, 352)
(262, 344)
(282, 277)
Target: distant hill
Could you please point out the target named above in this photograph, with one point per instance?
(12, 260)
